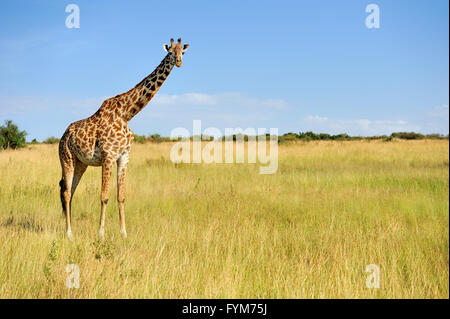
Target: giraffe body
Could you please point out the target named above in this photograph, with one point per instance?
(105, 138)
(96, 138)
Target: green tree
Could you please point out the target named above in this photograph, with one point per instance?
(11, 136)
(2, 141)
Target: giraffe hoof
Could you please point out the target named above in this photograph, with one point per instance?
(101, 234)
(124, 233)
(69, 235)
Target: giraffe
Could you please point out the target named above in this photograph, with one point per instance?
(105, 138)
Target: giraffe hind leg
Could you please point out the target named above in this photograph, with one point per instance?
(66, 195)
(62, 186)
(79, 170)
(65, 184)
(71, 177)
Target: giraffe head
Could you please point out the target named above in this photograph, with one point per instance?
(176, 51)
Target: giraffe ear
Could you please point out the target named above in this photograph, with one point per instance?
(185, 47)
(166, 47)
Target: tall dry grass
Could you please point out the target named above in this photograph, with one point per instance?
(224, 231)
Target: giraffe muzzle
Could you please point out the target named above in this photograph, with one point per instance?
(179, 63)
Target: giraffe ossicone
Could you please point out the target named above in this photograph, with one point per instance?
(105, 138)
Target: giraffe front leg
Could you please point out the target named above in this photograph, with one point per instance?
(122, 163)
(106, 180)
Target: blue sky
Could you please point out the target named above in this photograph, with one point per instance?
(293, 65)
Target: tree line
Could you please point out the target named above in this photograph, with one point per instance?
(12, 137)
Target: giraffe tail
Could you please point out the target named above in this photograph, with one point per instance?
(62, 186)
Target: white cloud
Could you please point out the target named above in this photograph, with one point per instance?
(165, 102)
(440, 111)
(15, 105)
(229, 99)
(162, 114)
(21, 44)
(55, 40)
(436, 120)
(230, 109)
(185, 99)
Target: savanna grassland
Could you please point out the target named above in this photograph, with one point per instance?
(225, 231)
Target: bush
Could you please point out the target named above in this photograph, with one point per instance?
(324, 136)
(289, 137)
(436, 136)
(408, 135)
(2, 141)
(11, 136)
(155, 138)
(166, 139)
(308, 136)
(341, 137)
(141, 139)
(311, 136)
(51, 140)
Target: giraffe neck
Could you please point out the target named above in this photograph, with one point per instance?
(139, 96)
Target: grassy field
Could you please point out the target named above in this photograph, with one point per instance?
(225, 231)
